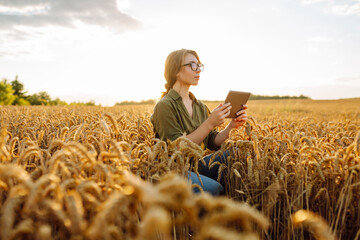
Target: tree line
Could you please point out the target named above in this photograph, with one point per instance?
(264, 97)
(13, 93)
(252, 97)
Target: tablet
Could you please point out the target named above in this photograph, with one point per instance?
(237, 100)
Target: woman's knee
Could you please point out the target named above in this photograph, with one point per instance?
(207, 184)
(222, 158)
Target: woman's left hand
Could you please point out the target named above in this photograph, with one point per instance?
(240, 119)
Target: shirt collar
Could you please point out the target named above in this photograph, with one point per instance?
(192, 96)
(175, 95)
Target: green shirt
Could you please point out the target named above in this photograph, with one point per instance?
(171, 119)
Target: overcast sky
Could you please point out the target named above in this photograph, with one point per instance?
(114, 50)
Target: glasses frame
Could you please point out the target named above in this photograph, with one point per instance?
(198, 66)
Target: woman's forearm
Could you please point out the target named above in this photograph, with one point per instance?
(198, 135)
(203, 131)
(222, 136)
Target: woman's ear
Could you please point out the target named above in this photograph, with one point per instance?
(179, 72)
(177, 76)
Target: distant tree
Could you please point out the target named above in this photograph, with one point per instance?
(264, 97)
(89, 103)
(58, 102)
(149, 101)
(14, 93)
(41, 98)
(34, 99)
(18, 88)
(6, 93)
(21, 102)
(19, 92)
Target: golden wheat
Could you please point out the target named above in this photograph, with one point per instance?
(99, 173)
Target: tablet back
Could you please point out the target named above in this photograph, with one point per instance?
(237, 99)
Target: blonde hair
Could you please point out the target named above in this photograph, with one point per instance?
(173, 65)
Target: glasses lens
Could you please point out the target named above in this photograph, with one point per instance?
(194, 66)
(201, 67)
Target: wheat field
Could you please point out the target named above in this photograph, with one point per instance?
(99, 173)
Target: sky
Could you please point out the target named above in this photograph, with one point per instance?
(110, 51)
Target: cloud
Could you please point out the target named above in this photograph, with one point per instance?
(65, 13)
(352, 8)
(348, 7)
(319, 39)
(12, 54)
(311, 1)
(122, 5)
(275, 9)
(14, 35)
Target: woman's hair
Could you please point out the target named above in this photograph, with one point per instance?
(173, 65)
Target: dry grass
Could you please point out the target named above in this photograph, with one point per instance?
(98, 173)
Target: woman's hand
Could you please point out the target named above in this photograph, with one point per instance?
(218, 115)
(240, 119)
(235, 123)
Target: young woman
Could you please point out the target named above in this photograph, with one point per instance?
(179, 112)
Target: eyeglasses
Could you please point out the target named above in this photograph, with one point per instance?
(195, 67)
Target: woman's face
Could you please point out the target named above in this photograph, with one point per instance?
(186, 75)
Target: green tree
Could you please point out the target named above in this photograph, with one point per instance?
(18, 88)
(58, 102)
(21, 102)
(6, 93)
(41, 98)
(89, 103)
(19, 92)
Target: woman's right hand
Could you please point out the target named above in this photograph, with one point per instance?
(218, 115)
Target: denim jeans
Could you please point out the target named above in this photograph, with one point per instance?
(209, 176)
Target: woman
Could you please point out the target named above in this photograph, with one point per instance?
(178, 111)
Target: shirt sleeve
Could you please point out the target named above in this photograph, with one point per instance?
(165, 122)
(211, 141)
(211, 137)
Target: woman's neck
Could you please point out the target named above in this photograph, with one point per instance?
(182, 90)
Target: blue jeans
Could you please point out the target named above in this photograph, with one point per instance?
(209, 176)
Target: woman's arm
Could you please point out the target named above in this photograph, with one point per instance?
(216, 118)
(235, 123)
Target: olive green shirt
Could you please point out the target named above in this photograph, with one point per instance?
(171, 119)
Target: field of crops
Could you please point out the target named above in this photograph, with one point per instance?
(98, 173)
